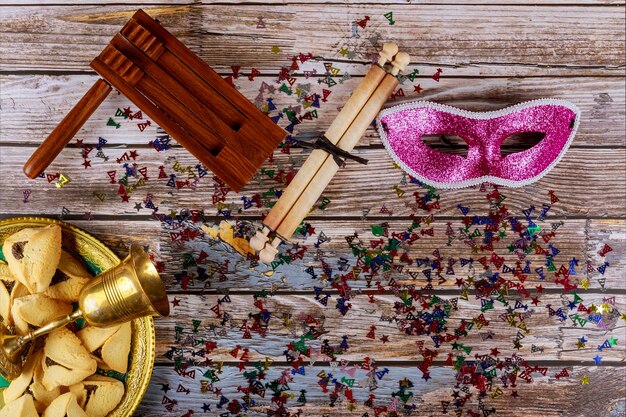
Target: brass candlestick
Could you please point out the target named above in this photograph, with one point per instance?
(123, 293)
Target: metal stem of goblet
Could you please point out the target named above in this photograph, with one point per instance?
(12, 346)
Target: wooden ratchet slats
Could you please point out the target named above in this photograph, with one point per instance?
(190, 101)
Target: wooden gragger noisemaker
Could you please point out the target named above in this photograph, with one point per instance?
(341, 137)
(186, 97)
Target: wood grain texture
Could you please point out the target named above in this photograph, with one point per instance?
(546, 396)
(576, 239)
(557, 339)
(493, 53)
(581, 239)
(64, 132)
(336, 2)
(515, 41)
(32, 105)
(569, 180)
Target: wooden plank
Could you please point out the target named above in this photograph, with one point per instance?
(546, 396)
(517, 41)
(578, 239)
(118, 235)
(447, 35)
(70, 3)
(581, 41)
(558, 341)
(354, 188)
(32, 105)
(438, 2)
(287, 2)
(57, 48)
(548, 338)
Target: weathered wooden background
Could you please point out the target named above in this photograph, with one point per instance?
(492, 53)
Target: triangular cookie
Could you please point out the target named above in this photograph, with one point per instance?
(19, 385)
(7, 282)
(37, 309)
(116, 349)
(65, 406)
(19, 290)
(94, 337)
(22, 407)
(23, 235)
(42, 396)
(98, 394)
(5, 300)
(65, 360)
(69, 279)
(33, 256)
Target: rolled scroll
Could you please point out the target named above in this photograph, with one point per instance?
(317, 158)
(325, 173)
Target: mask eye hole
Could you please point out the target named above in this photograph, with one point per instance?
(520, 142)
(572, 123)
(449, 144)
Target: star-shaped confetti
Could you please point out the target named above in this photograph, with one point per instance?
(503, 285)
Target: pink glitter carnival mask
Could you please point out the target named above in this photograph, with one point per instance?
(402, 127)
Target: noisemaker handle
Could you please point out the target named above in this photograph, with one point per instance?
(65, 131)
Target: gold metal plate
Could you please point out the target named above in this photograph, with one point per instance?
(97, 257)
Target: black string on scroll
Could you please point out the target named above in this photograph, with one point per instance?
(324, 144)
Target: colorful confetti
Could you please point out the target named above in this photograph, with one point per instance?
(381, 268)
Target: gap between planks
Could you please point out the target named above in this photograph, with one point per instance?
(240, 3)
(620, 75)
(253, 218)
(436, 363)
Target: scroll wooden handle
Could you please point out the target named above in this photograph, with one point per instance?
(334, 133)
(325, 174)
(317, 158)
(65, 131)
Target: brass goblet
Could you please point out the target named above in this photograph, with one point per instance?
(123, 293)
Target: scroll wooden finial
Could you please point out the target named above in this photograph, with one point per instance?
(399, 63)
(258, 241)
(387, 54)
(268, 253)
